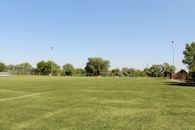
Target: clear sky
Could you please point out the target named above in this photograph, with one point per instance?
(129, 33)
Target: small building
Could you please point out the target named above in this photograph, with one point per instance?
(181, 75)
(5, 74)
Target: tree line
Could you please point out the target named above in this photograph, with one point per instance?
(100, 67)
(94, 67)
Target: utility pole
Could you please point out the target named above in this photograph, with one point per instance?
(52, 48)
(173, 47)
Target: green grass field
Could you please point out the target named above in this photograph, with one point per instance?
(58, 103)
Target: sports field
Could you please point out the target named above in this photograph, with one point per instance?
(58, 103)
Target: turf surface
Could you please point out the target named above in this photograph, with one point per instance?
(58, 103)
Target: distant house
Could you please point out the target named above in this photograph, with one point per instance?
(181, 75)
(5, 74)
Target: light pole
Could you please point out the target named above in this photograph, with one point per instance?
(52, 48)
(173, 52)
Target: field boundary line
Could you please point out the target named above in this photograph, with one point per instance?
(13, 91)
(19, 97)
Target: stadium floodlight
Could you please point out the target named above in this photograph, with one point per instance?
(52, 48)
(173, 52)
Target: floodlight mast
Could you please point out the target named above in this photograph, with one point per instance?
(173, 47)
(52, 48)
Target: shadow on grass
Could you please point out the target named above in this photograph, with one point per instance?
(181, 84)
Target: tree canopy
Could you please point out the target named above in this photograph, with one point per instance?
(189, 56)
(160, 70)
(80, 72)
(2, 67)
(168, 69)
(68, 69)
(47, 68)
(20, 69)
(189, 59)
(94, 67)
(116, 72)
(24, 68)
(97, 67)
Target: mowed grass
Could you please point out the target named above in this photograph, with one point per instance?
(58, 103)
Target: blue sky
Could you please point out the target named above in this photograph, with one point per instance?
(130, 33)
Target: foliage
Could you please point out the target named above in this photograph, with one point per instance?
(97, 67)
(189, 56)
(94, 67)
(147, 71)
(116, 72)
(140, 73)
(80, 72)
(11, 69)
(131, 72)
(125, 71)
(24, 68)
(168, 69)
(189, 59)
(42, 68)
(47, 68)
(20, 69)
(2, 67)
(160, 70)
(156, 71)
(68, 69)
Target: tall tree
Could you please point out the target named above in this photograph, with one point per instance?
(189, 59)
(41, 68)
(2, 67)
(189, 56)
(47, 68)
(52, 67)
(97, 67)
(68, 69)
